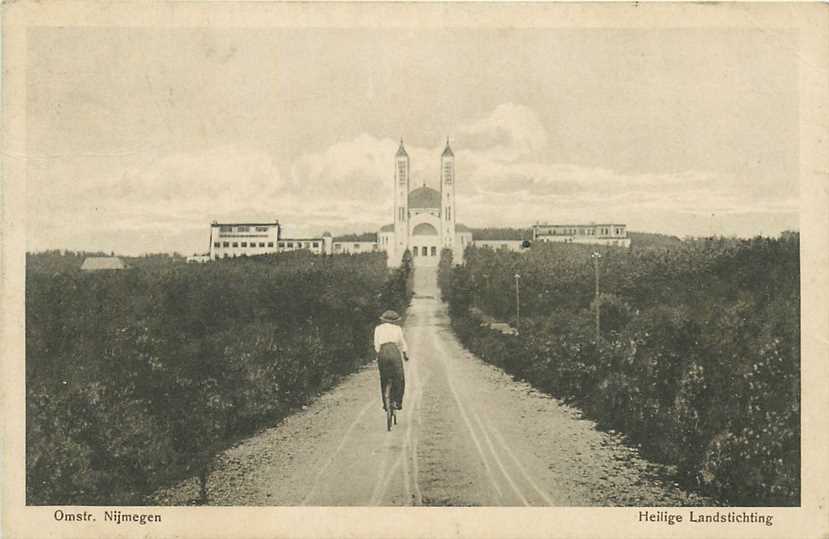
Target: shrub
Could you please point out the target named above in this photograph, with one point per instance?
(699, 356)
(137, 377)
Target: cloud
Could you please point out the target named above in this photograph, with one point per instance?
(184, 186)
(349, 169)
(352, 181)
(504, 178)
(508, 133)
(155, 200)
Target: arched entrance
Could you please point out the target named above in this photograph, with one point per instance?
(425, 245)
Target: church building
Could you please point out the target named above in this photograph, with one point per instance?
(424, 218)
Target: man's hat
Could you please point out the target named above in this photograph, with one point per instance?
(390, 316)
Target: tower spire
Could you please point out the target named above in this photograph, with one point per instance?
(447, 152)
(401, 151)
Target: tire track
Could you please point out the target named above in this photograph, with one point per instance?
(500, 463)
(407, 452)
(501, 446)
(336, 452)
(527, 477)
(470, 430)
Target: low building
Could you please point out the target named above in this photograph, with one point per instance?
(594, 234)
(355, 247)
(102, 263)
(198, 259)
(228, 240)
(502, 245)
(318, 246)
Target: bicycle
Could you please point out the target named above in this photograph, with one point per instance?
(391, 415)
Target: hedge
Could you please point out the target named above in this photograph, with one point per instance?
(136, 378)
(698, 359)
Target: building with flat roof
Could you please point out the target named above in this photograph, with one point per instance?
(228, 240)
(594, 234)
(318, 246)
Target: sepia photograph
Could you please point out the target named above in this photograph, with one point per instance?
(443, 264)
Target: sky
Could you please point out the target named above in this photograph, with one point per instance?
(138, 138)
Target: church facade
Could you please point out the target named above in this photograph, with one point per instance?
(425, 219)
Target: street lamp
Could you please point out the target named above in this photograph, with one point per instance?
(596, 256)
(517, 305)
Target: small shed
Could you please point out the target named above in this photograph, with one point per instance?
(99, 263)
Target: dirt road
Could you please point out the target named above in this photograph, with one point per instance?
(467, 435)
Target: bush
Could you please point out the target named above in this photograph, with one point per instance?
(137, 377)
(699, 355)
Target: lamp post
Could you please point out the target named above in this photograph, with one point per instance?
(517, 305)
(596, 256)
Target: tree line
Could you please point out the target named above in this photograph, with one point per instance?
(136, 378)
(697, 357)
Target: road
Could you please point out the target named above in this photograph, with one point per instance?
(468, 435)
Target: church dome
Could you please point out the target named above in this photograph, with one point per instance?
(424, 197)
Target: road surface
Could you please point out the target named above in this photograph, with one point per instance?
(468, 435)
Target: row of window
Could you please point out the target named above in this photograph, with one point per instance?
(243, 244)
(447, 173)
(282, 244)
(609, 242)
(424, 251)
(243, 228)
(299, 244)
(605, 231)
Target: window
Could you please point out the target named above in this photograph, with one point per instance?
(290, 245)
(317, 244)
(356, 246)
(225, 244)
(415, 250)
(225, 229)
(434, 251)
(270, 244)
(281, 244)
(447, 173)
(261, 229)
(425, 252)
(242, 229)
(236, 244)
(244, 244)
(217, 244)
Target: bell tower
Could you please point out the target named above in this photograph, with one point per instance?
(447, 197)
(401, 202)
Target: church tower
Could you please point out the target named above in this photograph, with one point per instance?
(447, 197)
(401, 202)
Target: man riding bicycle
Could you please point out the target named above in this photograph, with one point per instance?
(389, 344)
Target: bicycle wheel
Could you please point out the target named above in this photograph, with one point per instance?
(389, 406)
